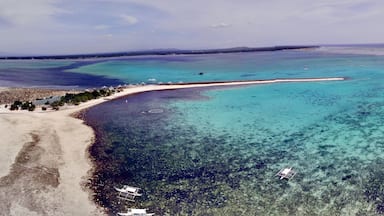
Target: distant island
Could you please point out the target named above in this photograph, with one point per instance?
(159, 52)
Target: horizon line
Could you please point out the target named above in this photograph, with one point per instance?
(156, 51)
(171, 51)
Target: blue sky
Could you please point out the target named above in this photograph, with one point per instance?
(84, 26)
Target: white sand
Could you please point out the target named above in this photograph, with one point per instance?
(3, 89)
(28, 181)
(43, 159)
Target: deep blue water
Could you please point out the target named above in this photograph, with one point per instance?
(50, 74)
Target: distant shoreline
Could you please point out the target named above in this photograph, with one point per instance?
(156, 53)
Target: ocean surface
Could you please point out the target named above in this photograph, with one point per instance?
(216, 151)
(51, 74)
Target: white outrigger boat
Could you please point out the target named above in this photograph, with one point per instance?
(128, 193)
(136, 212)
(286, 173)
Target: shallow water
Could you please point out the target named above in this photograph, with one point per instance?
(234, 66)
(216, 151)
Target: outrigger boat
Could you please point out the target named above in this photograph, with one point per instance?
(136, 212)
(286, 173)
(128, 193)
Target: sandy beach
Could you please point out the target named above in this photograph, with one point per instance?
(44, 162)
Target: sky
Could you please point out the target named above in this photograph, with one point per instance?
(88, 26)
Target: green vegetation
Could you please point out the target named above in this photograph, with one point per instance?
(76, 99)
(68, 98)
(23, 106)
(81, 97)
(16, 105)
(28, 106)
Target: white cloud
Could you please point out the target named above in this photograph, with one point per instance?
(59, 26)
(18, 13)
(221, 25)
(108, 35)
(130, 20)
(101, 27)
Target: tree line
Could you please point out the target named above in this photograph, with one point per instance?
(68, 98)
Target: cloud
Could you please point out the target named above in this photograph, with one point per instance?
(101, 27)
(107, 35)
(330, 11)
(130, 20)
(59, 26)
(220, 25)
(24, 14)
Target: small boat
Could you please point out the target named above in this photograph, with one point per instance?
(135, 212)
(152, 80)
(286, 173)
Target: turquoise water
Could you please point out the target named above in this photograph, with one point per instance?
(331, 137)
(216, 151)
(240, 66)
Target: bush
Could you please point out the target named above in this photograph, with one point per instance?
(96, 94)
(32, 107)
(25, 106)
(44, 108)
(14, 107)
(28, 106)
(18, 103)
(76, 99)
(55, 105)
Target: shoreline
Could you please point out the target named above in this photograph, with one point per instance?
(46, 163)
(174, 86)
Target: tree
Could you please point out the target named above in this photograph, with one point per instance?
(31, 107)
(96, 94)
(55, 105)
(28, 105)
(14, 107)
(18, 103)
(25, 105)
